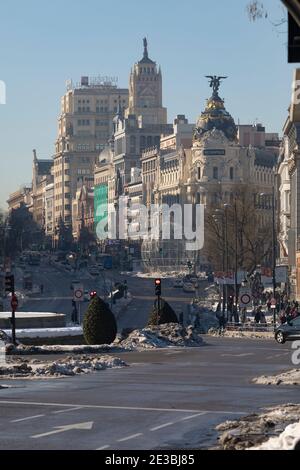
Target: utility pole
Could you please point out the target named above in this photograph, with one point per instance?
(158, 294)
(274, 251)
(236, 254)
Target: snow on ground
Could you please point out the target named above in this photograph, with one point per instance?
(158, 274)
(23, 350)
(69, 366)
(291, 377)
(46, 332)
(242, 334)
(254, 430)
(289, 439)
(170, 334)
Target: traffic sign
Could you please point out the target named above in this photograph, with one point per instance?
(14, 302)
(245, 299)
(78, 293)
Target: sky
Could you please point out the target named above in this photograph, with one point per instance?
(43, 44)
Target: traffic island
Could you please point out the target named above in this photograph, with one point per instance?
(32, 320)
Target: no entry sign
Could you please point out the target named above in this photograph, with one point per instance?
(78, 293)
(245, 299)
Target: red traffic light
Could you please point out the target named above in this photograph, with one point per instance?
(157, 282)
(93, 294)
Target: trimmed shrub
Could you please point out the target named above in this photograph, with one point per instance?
(166, 315)
(99, 324)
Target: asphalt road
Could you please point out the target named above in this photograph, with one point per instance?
(166, 399)
(57, 295)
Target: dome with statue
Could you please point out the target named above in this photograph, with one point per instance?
(215, 115)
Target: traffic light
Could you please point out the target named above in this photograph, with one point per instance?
(158, 287)
(93, 294)
(10, 283)
(293, 40)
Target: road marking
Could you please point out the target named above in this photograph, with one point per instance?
(103, 448)
(69, 427)
(237, 355)
(26, 419)
(194, 416)
(66, 411)
(161, 426)
(126, 408)
(129, 438)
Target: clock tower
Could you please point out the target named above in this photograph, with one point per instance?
(145, 92)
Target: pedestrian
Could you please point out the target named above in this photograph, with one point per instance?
(243, 315)
(282, 317)
(74, 312)
(263, 320)
(42, 288)
(257, 315)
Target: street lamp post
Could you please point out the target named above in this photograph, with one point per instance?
(274, 250)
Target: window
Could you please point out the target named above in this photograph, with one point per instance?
(215, 173)
(199, 172)
(231, 173)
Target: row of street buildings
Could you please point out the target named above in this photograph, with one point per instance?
(115, 141)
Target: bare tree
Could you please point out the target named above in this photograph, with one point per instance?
(256, 10)
(241, 223)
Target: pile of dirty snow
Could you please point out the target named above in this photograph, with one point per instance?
(291, 377)
(254, 430)
(69, 366)
(289, 439)
(162, 336)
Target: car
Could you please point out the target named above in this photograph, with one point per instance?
(94, 271)
(288, 331)
(189, 287)
(178, 283)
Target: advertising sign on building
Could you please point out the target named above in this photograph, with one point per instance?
(100, 203)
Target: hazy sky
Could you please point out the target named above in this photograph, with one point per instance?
(43, 43)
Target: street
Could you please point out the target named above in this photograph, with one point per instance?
(166, 399)
(57, 295)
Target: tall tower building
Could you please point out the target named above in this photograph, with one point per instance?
(145, 92)
(84, 126)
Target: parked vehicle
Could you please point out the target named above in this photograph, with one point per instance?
(189, 287)
(288, 331)
(178, 283)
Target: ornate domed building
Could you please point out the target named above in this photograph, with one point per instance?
(215, 116)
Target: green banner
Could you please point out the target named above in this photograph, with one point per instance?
(100, 203)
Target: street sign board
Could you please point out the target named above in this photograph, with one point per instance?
(78, 293)
(245, 298)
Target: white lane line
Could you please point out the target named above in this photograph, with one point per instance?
(126, 408)
(103, 448)
(237, 355)
(26, 419)
(67, 411)
(194, 416)
(161, 426)
(129, 438)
